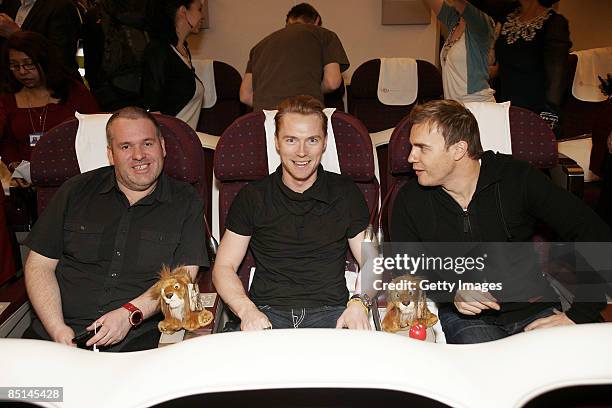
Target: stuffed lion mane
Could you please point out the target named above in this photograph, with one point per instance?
(406, 307)
(172, 290)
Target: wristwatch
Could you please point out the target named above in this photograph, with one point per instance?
(365, 299)
(136, 317)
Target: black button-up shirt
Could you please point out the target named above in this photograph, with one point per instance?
(299, 240)
(110, 252)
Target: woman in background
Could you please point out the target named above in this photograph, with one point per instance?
(169, 82)
(42, 95)
(532, 55)
(464, 56)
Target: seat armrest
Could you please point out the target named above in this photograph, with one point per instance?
(15, 318)
(568, 175)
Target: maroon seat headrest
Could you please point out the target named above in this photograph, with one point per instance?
(54, 158)
(364, 82)
(241, 153)
(227, 80)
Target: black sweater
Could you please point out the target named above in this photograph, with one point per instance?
(167, 82)
(510, 198)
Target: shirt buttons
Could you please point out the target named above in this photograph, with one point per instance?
(118, 253)
(113, 275)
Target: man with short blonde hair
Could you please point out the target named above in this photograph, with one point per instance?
(299, 222)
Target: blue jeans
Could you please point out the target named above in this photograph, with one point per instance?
(463, 329)
(323, 317)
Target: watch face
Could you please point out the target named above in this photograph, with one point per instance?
(136, 317)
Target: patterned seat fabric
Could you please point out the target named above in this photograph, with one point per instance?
(241, 157)
(228, 108)
(54, 158)
(363, 99)
(532, 141)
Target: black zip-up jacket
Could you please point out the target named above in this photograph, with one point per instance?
(511, 197)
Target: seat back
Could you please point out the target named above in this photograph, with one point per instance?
(241, 157)
(54, 158)
(532, 141)
(578, 117)
(228, 108)
(7, 262)
(363, 98)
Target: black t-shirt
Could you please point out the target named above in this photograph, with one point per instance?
(110, 252)
(299, 241)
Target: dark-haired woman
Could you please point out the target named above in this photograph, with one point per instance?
(169, 82)
(532, 54)
(43, 95)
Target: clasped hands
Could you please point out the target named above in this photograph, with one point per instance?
(471, 303)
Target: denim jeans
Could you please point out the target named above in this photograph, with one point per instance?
(297, 318)
(463, 329)
(305, 318)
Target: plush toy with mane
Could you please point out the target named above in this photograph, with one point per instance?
(406, 305)
(180, 301)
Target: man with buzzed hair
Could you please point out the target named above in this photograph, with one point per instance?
(98, 247)
(302, 58)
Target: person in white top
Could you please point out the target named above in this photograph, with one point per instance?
(464, 56)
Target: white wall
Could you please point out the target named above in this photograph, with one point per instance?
(237, 25)
(590, 22)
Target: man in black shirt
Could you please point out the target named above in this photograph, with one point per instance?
(298, 222)
(99, 245)
(462, 194)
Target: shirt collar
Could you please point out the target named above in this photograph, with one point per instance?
(161, 192)
(318, 191)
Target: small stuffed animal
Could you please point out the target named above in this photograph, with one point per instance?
(179, 299)
(407, 307)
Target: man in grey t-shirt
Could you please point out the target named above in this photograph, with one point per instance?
(301, 59)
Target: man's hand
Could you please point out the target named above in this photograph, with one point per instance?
(19, 182)
(63, 335)
(7, 26)
(558, 319)
(254, 320)
(112, 328)
(354, 317)
(472, 302)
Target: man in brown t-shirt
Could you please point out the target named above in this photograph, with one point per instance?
(302, 58)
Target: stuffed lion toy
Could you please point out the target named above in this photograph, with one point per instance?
(179, 299)
(406, 307)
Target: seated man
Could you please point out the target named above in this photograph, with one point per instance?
(464, 194)
(299, 222)
(302, 58)
(100, 244)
